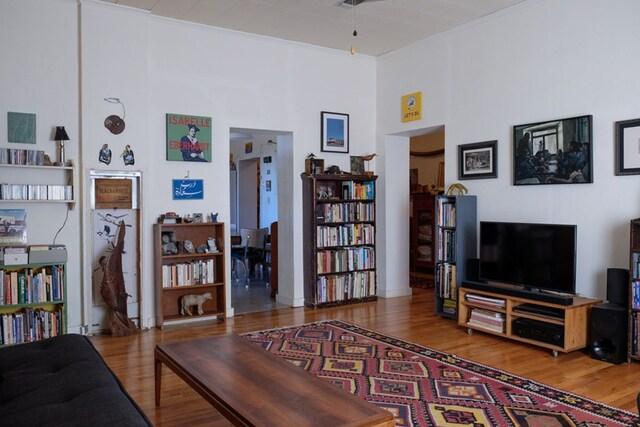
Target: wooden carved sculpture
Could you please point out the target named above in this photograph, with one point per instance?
(113, 290)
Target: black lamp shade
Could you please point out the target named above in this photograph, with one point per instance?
(61, 134)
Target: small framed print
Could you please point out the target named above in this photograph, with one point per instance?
(357, 165)
(478, 160)
(628, 147)
(335, 132)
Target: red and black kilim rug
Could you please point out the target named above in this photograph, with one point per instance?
(424, 387)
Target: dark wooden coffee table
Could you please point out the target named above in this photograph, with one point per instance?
(252, 387)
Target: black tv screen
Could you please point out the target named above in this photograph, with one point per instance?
(536, 256)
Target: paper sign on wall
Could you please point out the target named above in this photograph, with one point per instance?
(412, 107)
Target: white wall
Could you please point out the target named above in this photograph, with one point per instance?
(538, 61)
(158, 66)
(39, 74)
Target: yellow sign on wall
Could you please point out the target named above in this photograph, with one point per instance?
(412, 107)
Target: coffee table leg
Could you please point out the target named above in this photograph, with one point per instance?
(158, 369)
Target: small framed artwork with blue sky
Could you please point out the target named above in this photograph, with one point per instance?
(335, 132)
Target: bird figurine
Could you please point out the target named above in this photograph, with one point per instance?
(311, 156)
(367, 159)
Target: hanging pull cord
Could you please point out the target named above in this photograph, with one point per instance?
(117, 101)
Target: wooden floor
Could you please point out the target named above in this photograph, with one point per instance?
(410, 318)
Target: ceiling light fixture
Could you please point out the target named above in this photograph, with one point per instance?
(353, 3)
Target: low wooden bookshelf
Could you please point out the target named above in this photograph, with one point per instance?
(188, 271)
(565, 330)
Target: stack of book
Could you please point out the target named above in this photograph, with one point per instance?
(486, 319)
(487, 301)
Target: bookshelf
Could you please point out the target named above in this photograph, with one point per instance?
(340, 239)
(32, 302)
(633, 346)
(183, 265)
(455, 242)
(59, 187)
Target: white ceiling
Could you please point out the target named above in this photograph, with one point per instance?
(382, 25)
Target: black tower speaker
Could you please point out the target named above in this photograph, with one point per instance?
(617, 286)
(473, 269)
(608, 332)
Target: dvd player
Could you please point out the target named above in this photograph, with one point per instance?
(516, 292)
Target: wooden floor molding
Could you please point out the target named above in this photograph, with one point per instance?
(411, 318)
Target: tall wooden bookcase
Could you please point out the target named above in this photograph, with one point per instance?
(633, 347)
(422, 232)
(339, 239)
(455, 242)
(188, 272)
(33, 302)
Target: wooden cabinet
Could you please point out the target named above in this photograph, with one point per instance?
(33, 302)
(422, 231)
(455, 243)
(37, 184)
(339, 239)
(557, 327)
(185, 265)
(633, 346)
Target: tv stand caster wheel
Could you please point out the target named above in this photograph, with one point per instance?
(555, 353)
(470, 331)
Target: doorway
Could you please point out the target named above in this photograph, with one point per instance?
(254, 204)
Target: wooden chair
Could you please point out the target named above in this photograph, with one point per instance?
(252, 249)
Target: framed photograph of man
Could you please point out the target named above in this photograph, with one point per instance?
(188, 138)
(478, 160)
(628, 147)
(335, 132)
(553, 152)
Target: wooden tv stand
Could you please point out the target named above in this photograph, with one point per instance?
(571, 321)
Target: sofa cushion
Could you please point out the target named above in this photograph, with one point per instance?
(62, 381)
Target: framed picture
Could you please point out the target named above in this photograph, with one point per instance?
(335, 132)
(553, 152)
(313, 166)
(628, 147)
(188, 189)
(357, 165)
(478, 160)
(188, 138)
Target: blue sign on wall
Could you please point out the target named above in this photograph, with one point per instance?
(188, 189)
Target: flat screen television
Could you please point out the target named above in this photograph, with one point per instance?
(535, 256)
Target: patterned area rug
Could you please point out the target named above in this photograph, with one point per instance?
(420, 281)
(424, 387)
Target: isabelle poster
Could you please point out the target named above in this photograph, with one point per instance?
(188, 138)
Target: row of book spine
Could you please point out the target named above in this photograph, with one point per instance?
(188, 274)
(345, 212)
(357, 284)
(446, 213)
(635, 294)
(635, 334)
(446, 249)
(344, 235)
(446, 280)
(486, 319)
(16, 156)
(31, 324)
(358, 190)
(35, 192)
(32, 285)
(341, 260)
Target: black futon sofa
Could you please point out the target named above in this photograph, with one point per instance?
(62, 381)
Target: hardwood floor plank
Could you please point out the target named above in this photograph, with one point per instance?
(410, 318)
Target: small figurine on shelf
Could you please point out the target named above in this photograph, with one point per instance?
(188, 301)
